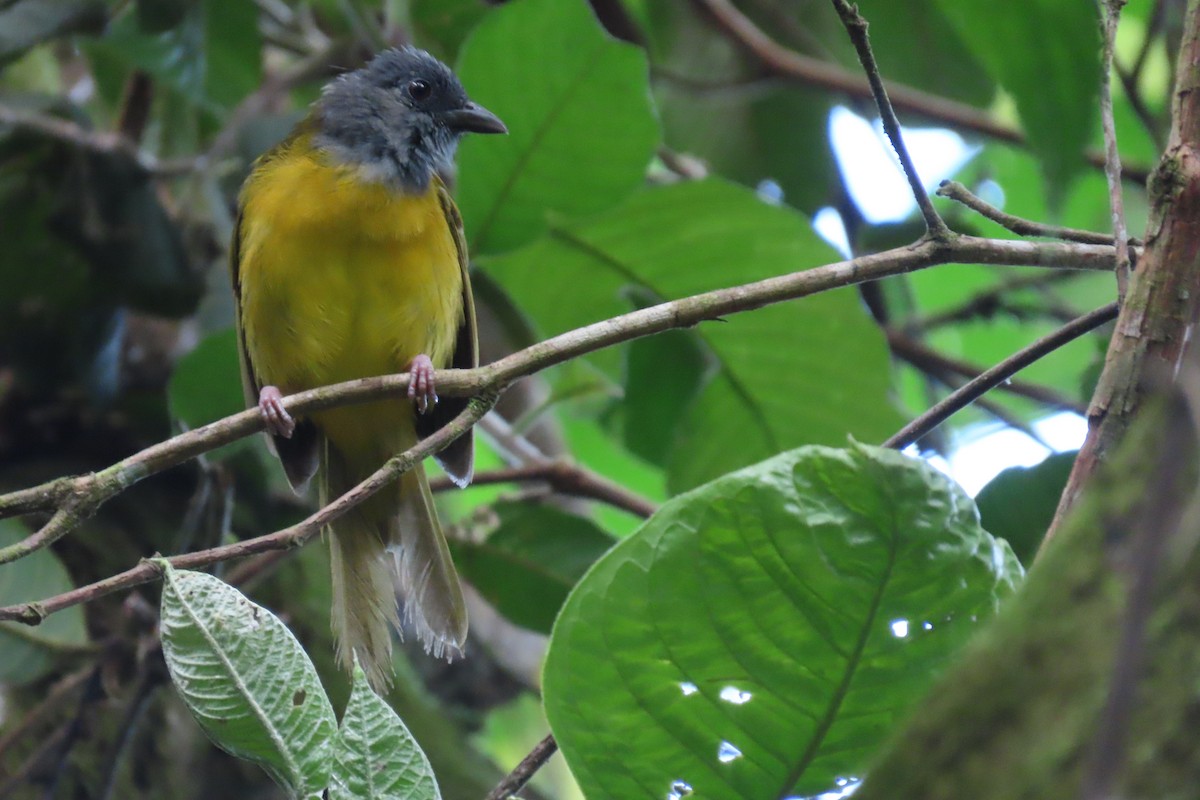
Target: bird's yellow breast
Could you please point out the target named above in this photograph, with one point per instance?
(341, 277)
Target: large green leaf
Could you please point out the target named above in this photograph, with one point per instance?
(581, 125)
(531, 561)
(781, 379)
(247, 681)
(375, 757)
(26, 652)
(1046, 54)
(761, 635)
(663, 376)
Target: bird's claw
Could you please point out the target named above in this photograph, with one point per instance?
(421, 389)
(278, 421)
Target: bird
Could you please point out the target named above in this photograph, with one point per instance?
(348, 260)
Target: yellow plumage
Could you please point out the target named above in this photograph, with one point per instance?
(341, 277)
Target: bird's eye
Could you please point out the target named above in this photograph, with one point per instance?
(419, 90)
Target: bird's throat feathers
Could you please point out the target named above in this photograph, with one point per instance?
(401, 150)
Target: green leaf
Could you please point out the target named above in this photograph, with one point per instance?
(375, 757)
(440, 26)
(781, 379)
(526, 567)
(25, 23)
(247, 681)
(28, 652)
(212, 56)
(1012, 41)
(760, 636)
(1019, 503)
(915, 44)
(206, 385)
(581, 125)
(663, 376)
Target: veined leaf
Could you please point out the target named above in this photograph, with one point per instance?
(375, 757)
(761, 635)
(780, 380)
(247, 681)
(577, 105)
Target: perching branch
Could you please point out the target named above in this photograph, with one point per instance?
(287, 538)
(82, 495)
(991, 378)
(856, 27)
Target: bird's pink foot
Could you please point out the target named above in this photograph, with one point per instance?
(270, 405)
(420, 383)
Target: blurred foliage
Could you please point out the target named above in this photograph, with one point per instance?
(665, 160)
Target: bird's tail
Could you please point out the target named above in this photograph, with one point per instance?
(381, 542)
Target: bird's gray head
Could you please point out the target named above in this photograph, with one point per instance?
(399, 118)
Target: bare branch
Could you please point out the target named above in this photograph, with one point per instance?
(856, 27)
(564, 478)
(1163, 299)
(1018, 225)
(1112, 159)
(797, 67)
(989, 301)
(287, 538)
(929, 360)
(521, 774)
(988, 380)
(89, 492)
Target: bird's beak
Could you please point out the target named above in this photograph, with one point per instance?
(474, 118)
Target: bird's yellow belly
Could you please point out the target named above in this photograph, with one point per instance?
(352, 286)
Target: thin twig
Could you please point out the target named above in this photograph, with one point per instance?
(68, 132)
(564, 478)
(1018, 225)
(86, 493)
(515, 780)
(929, 360)
(22, 773)
(788, 63)
(1112, 159)
(998, 374)
(856, 27)
(1153, 28)
(58, 692)
(153, 676)
(511, 445)
(797, 67)
(293, 536)
(1133, 94)
(987, 302)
